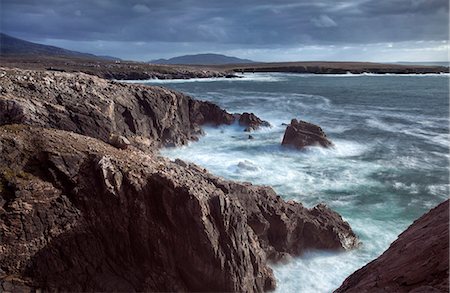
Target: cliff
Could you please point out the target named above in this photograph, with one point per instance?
(149, 117)
(80, 215)
(418, 261)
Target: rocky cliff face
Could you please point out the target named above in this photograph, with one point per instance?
(78, 214)
(149, 117)
(418, 261)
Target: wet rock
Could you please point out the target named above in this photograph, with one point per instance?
(418, 261)
(203, 112)
(300, 134)
(251, 137)
(251, 121)
(81, 215)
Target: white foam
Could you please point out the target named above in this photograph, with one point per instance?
(366, 179)
(257, 77)
(368, 74)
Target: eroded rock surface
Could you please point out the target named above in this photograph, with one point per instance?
(251, 121)
(80, 215)
(300, 134)
(418, 261)
(148, 116)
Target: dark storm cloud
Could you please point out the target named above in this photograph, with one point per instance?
(234, 22)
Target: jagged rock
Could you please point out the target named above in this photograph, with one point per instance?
(80, 215)
(203, 112)
(148, 116)
(300, 134)
(418, 261)
(251, 121)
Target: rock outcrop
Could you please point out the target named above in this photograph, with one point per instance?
(418, 261)
(251, 121)
(77, 214)
(300, 134)
(148, 116)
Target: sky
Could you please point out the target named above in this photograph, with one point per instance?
(261, 30)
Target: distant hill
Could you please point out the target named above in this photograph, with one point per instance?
(14, 46)
(202, 59)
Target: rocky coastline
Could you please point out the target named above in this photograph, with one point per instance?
(76, 211)
(129, 70)
(418, 261)
(88, 204)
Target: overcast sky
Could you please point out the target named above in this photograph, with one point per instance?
(284, 30)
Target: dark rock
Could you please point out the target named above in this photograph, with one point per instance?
(203, 112)
(418, 261)
(149, 117)
(250, 137)
(80, 215)
(251, 121)
(302, 134)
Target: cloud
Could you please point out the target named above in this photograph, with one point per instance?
(250, 24)
(141, 8)
(323, 21)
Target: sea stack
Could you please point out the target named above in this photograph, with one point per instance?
(300, 134)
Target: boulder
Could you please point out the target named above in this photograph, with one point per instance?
(251, 121)
(80, 215)
(300, 134)
(418, 261)
(118, 141)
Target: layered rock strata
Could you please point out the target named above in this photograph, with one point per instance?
(78, 214)
(418, 261)
(148, 116)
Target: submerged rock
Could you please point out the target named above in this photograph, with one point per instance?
(251, 121)
(80, 215)
(418, 261)
(300, 134)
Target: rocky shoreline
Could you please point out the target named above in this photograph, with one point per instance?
(118, 70)
(79, 212)
(128, 70)
(418, 261)
(73, 203)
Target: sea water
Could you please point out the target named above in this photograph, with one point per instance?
(390, 163)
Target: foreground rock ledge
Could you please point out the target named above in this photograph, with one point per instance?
(300, 134)
(418, 261)
(80, 215)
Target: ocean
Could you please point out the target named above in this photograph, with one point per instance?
(390, 163)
